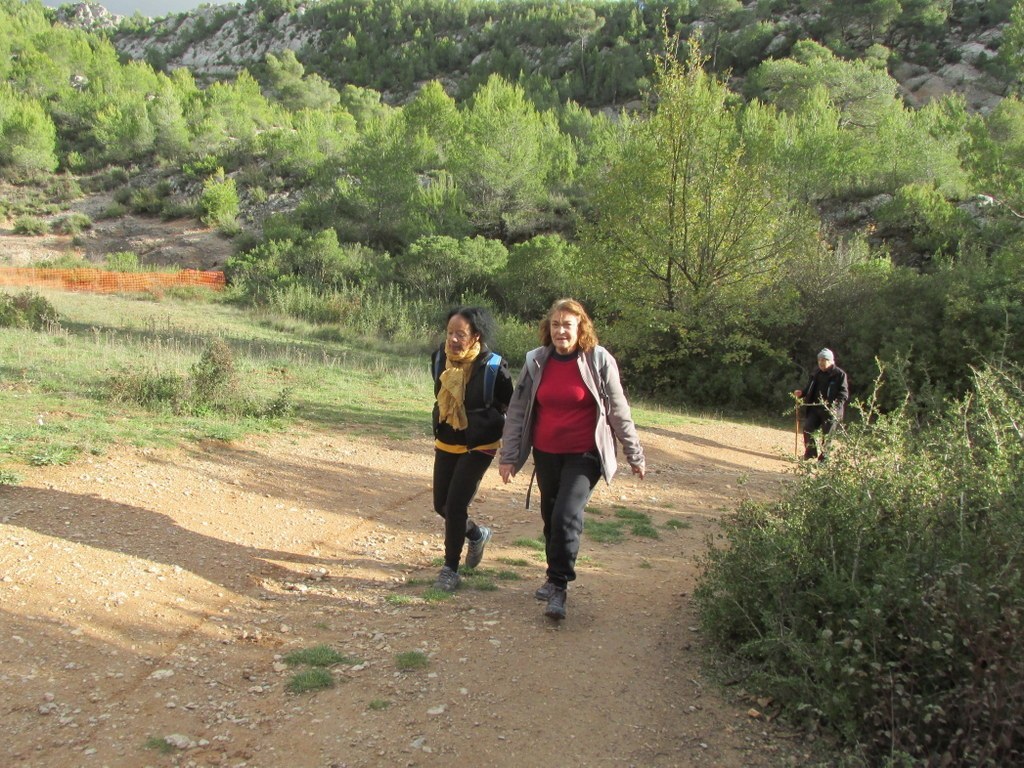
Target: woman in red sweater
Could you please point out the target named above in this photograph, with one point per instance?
(568, 407)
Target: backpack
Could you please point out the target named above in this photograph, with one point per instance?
(491, 367)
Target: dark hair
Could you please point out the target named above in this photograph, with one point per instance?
(587, 334)
(479, 319)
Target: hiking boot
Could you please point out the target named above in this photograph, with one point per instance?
(447, 580)
(475, 549)
(544, 593)
(556, 604)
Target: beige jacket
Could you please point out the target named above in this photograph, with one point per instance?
(614, 421)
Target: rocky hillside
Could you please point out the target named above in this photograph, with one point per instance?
(216, 41)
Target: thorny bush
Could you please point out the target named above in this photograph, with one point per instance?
(883, 598)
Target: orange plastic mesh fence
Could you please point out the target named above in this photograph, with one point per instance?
(103, 281)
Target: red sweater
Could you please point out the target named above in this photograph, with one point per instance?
(566, 411)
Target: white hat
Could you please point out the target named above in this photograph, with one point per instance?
(826, 354)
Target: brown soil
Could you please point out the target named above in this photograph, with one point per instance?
(148, 598)
(184, 243)
(153, 594)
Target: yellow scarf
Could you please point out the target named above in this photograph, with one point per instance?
(451, 398)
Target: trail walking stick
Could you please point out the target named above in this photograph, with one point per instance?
(796, 434)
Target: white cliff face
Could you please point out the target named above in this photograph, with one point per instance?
(216, 41)
(89, 16)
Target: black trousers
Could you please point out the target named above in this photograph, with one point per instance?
(457, 477)
(565, 481)
(818, 417)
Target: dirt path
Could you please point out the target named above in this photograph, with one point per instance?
(151, 595)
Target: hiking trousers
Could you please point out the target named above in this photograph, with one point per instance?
(456, 480)
(565, 482)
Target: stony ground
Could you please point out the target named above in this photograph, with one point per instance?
(149, 599)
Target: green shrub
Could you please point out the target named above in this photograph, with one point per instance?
(30, 225)
(218, 203)
(213, 378)
(171, 210)
(113, 211)
(72, 224)
(206, 165)
(122, 261)
(516, 338)
(111, 178)
(150, 389)
(883, 597)
(211, 386)
(66, 261)
(144, 201)
(64, 187)
(386, 311)
(26, 310)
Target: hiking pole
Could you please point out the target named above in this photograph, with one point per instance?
(796, 432)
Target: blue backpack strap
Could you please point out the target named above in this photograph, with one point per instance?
(490, 377)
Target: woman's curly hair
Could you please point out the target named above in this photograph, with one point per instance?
(587, 334)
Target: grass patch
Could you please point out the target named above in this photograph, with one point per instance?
(624, 513)
(318, 656)
(537, 544)
(434, 595)
(603, 531)
(515, 562)
(412, 660)
(398, 600)
(307, 680)
(644, 530)
(678, 524)
(54, 456)
(9, 478)
(151, 354)
(480, 582)
(159, 744)
(378, 705)
(639, 522)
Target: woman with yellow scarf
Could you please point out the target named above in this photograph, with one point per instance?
(468, 420)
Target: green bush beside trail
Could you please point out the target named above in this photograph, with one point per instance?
(883, 596)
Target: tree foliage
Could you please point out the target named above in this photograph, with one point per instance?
(28, 137)
(686, 228)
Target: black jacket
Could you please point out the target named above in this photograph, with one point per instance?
(484, 423)
(830, 387)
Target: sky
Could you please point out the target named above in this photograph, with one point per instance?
(152, 8)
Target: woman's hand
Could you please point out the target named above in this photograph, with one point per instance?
(639, 470)
(507, 472)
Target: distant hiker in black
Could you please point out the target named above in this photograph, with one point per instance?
(473, 388)
(825, 398)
